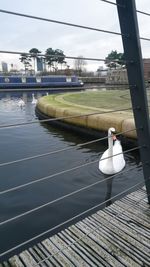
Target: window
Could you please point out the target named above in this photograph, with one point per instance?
(7, 80)
(68, 79)
(23, 80)
(38, 79)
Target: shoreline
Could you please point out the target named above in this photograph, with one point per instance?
(85, 119)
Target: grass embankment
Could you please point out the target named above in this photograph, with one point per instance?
(89, 102)
(112, 99)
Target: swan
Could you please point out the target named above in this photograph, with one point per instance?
(21, 103)
(115, 164)
(34, 100)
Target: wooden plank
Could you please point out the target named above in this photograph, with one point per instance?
(36, 257)
(88, 258)
(50, 261)
(27, 258)
(117, 244)
(16, 262)
(91, 252)
(113, 248)
(42, 257)
(126, 236)
(127, 226)
(117, 236)
(6, 264)
(132, 215)
(69, 252)
(61, 258)
(123, 226)
(96, 246)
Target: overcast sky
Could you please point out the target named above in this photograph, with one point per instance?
(22, 34)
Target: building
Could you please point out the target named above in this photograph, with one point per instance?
(146, 65)
(4, 66)
(39, 62)
(117, 76)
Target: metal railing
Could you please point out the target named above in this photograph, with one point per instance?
(133, 59)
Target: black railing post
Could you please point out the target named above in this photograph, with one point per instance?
(133, 56)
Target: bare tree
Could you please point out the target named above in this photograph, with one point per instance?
(79, 65)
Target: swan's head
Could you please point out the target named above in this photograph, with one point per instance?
(112, 133)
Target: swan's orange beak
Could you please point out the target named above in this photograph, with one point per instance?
(114, 137)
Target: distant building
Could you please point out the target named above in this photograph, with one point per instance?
(40, 65)
(4, 66)
(117, 76)
(146, 65)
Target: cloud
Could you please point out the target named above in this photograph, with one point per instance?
(22, 34)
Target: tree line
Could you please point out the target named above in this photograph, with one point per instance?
(52, 58)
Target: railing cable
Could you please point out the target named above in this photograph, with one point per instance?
(70, 220)
(3, 126)
(115, 4)
(145, 39)
(62, 56)
(63, 172)
(61, 150)
(62, 197)
(143, 12)
(56, 56)
(84, 235)
(59, 22)
(111, 3)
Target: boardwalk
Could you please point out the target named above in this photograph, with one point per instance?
(117, 236)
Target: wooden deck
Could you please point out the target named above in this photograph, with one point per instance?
(117, 236)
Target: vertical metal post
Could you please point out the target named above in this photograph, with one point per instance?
(133, 56)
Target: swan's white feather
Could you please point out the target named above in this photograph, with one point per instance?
(34, 100)
(114, 164)
(21, 103)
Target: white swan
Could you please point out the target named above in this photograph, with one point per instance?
(114, 164)
(34, 100)
(21, 103)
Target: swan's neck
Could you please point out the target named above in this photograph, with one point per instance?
(110, 145)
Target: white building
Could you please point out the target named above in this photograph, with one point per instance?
(4, 66)
(117, 76)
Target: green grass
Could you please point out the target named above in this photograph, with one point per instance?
(101, 99)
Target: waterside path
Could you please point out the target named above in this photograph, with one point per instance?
(118, 236)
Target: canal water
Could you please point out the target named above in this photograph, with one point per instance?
(34, 139)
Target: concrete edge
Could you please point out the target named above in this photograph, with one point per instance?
(100, 122)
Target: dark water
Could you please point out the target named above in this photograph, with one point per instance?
(25, 141)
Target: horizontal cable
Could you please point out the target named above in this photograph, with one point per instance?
(145, 39)
(56, 56)
(70, 220)
(67, 23)
(62, 56)
(61, 150)
(3, 126)
(138, 11)
(51, 152)
(59, 22)
(112, 3)
(64, 171)
(63, 197)
(84, 235)
(143, 12)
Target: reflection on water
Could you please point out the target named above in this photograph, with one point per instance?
(30, 140)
